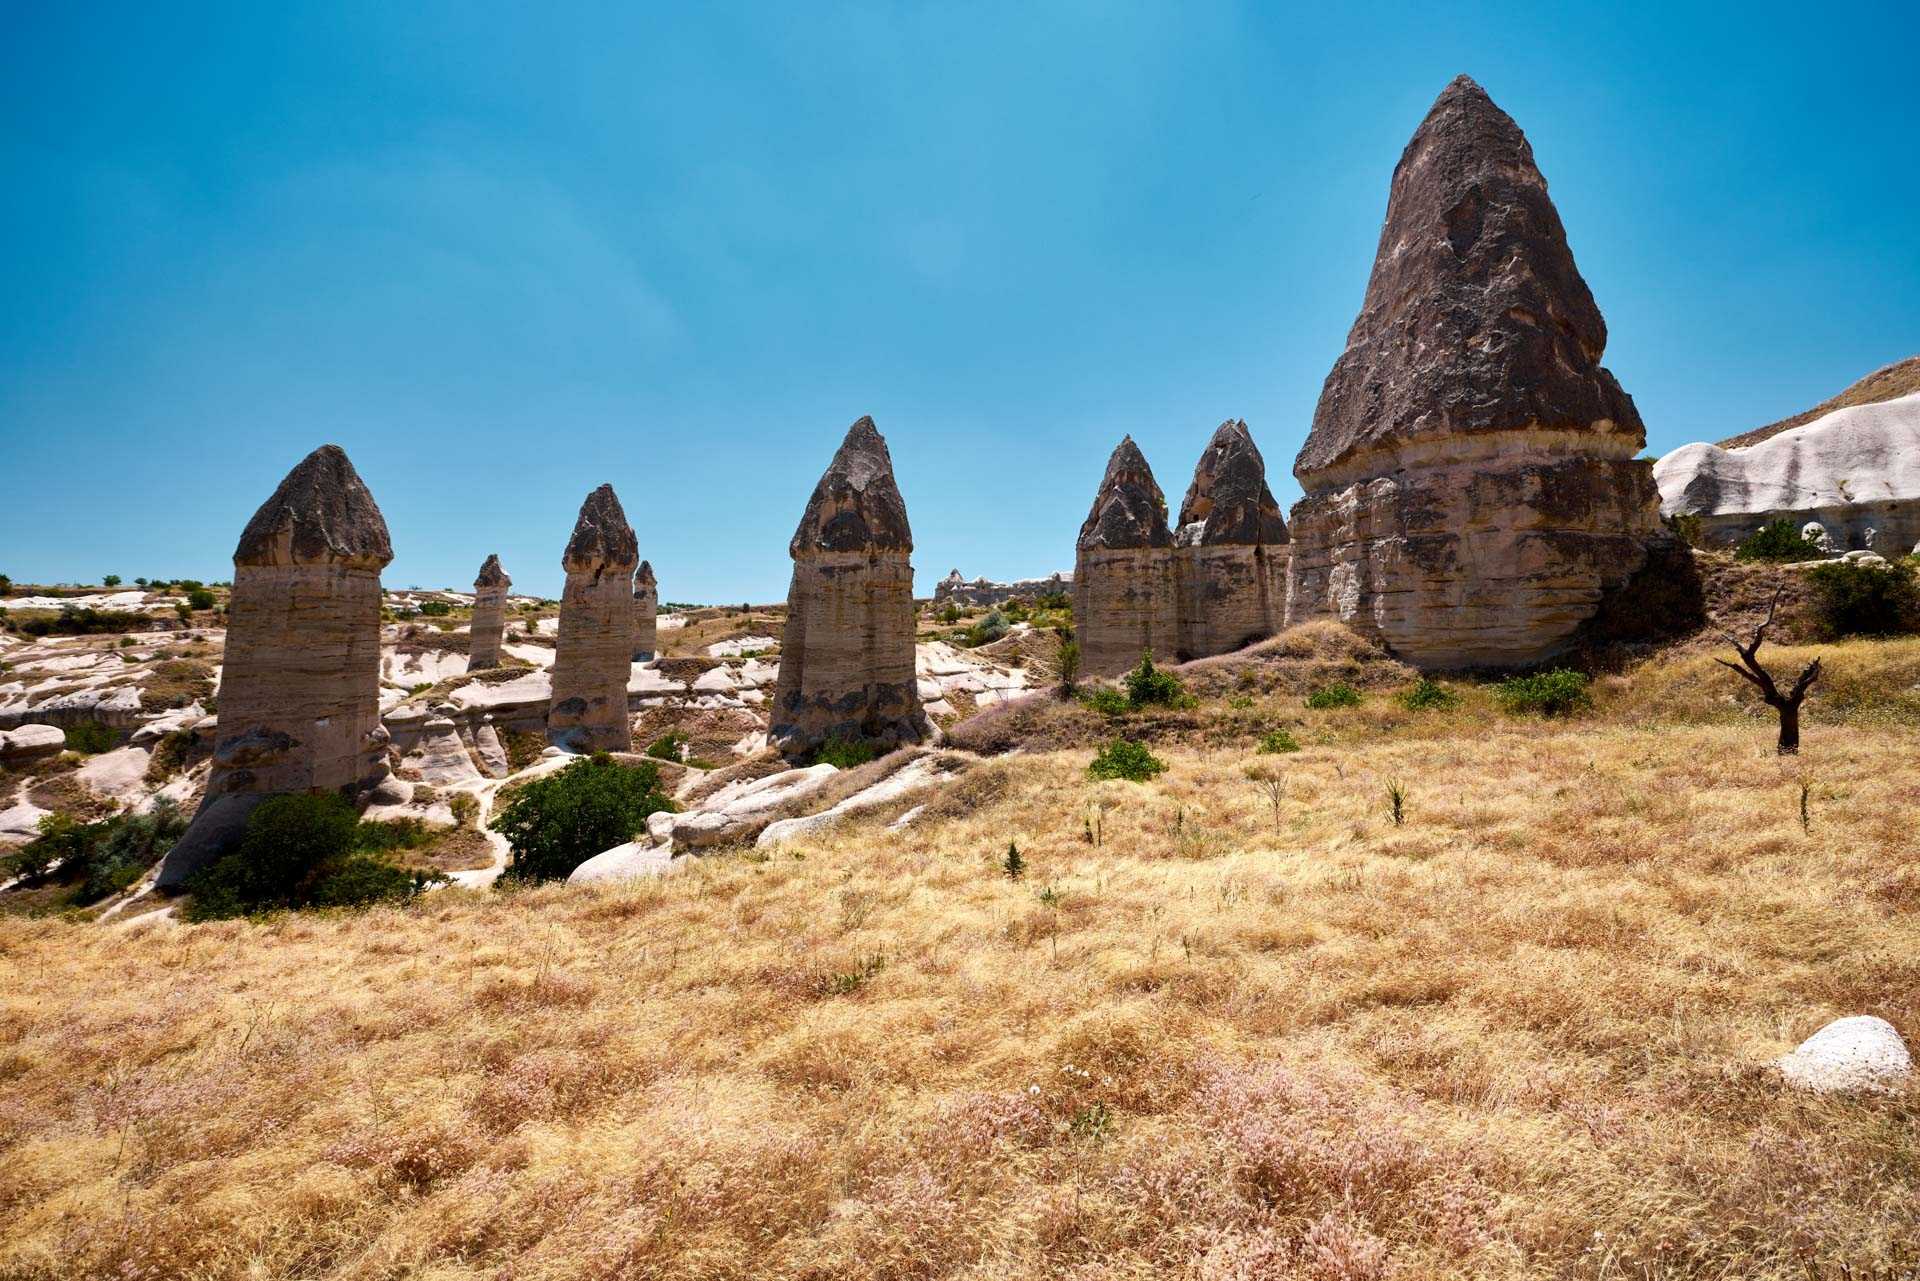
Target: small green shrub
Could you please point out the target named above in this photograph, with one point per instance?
(1055, 601)
(950, 615)
(558, 822)
(1687, 527)
(1014, 864)
(843, 753)
(435, 608)
(987, 630)
(1338, 694)
(293, 849)
(1429, 696)
(670, 746)
(91, 738)
(465, 807)
(1069, 661)
(1275, 741)
(199, 598)
(1148, 686)
(1555, 693)
(1108, 702)
(111, 580)
(1240, 702)
(1855, 599)
(1777, 540)
(361, 880)
(1123, 758)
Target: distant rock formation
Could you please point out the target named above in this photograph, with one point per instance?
(1471, 487)
(1230, 549)
(646, 612)
(300, 693)
(1852, 475)
(489, 615)
(592, 659)
(846, 657)
(1125, 598)
(980, 593)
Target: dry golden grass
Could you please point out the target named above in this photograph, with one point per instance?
(1519, 1036)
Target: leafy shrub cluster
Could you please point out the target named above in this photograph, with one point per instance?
(1338, 694)
(556, 823)
(1148, 686)
(1777, 540)
(91, 738)
(1123, 758)
(84, 621)
(303, 851)
(1855, 599)
(1275, 741)
(670, 746)
(1429, 695)
(986, 631)
(1555, 693)
(199, 598)
(98, 859)
(435, 608)
(843, 753)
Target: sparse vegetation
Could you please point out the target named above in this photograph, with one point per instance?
(1148, 686)
(1338, 694)
(1777, 540)
(94, 860)
(670, 746)
(1276, 741)
(305, 851)
(90, 738)
(1559, 692)
(1428, 695)
(1123, 758)
(843, 753)
(199, 598)
(557, 822)
(1854, 599)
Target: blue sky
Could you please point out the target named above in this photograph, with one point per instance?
(503, 253)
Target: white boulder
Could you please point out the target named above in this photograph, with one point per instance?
(1857, 1053)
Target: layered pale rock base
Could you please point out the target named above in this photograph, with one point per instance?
(1493, 559)
(1230, 595)
(489, 622)
(592, 661)
(1125, 601)
(846, 657)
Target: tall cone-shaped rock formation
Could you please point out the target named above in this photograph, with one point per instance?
(1471, 489)
(300, 690)
(1125, 597)
(593, 659)
(1230, 549)
(489, 615)
(646, 612)
(846, 657)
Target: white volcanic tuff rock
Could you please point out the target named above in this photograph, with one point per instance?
(630, 862)
(19, 822)
(425, 667)
(30, 741)
(980, 593)
(1851, 471)
(741, 645)
(1125, 589)
(1857, 1053)
(595, 650)
(734, 812)
(128, 602)
(920, 772)
(489, 615)
(119, 775)
(646, 611)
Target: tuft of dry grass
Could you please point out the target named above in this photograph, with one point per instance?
(1520, 1036)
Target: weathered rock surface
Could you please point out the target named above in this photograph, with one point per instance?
(1125, 595)
(591, 662)
(489, 615)
(1230, 550)
(846, 655)
(1857, 1053)
(1471, 486)
(646, 612)
(1853, 475)
(31, 741)
(920, 772)
(981, 593)
(300, 691)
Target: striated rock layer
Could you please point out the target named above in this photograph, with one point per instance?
(1125, 595)
(646, 612)
(846, 657)
(1230, 550)
(489, 615)
(592, 660)
(300, 690)
(1471, 487)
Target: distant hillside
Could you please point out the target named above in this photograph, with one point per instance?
(1902, 378)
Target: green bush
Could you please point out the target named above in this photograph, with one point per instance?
(558, 822)
(84, 621)
(91, 738)
(432, 608)
(199, 598)
(987, 630)
(1854, 599)
(307, 850)
(843, 753)
(111, 580)
(1777, 540)
(1278, 740)
(1555, 693)
(670, 746)
(1108, 702)
(1054, 600)
(1338, 694)
(361, 880)
(1429, 696)
(1123, 758)
(1147, 685)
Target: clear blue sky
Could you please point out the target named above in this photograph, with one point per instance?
(503, 253)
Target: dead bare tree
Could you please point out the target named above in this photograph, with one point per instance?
(1788, 704)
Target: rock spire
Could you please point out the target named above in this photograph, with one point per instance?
(591, 664)
(489, 615)
(646, 612)
(1231, 551)
(1125, 598)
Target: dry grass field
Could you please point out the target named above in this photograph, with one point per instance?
(1232, 1035)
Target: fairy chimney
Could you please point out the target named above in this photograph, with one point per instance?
(592, 661)
(1471, 490)
(1125, 600)
(300, 686)
(646, 612)
(489, 615)
(1230, 549)
(846, 657)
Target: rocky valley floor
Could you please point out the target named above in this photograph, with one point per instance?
(1233, 1022)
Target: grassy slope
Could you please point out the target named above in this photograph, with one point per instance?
(1516, 1037)
(1902, 378)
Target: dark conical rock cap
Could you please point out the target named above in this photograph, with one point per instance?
(602, 539)
(1129, 510)
(1228, 501)
(1475, 317)
(321, 514)
(643, 576)
(856, 507)
(491, 574)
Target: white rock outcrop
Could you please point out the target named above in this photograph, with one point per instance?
(1851, 1054)
(30, 741)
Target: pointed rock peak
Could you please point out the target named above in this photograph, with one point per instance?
(321, 514)
(1129, 510)
(856, 506)
(602, 539)
(491, 574)
(1475, 318)
(643, 576)
(1229, 501)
